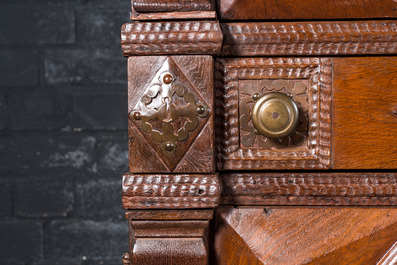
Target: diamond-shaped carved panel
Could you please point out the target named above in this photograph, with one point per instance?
(169, 107)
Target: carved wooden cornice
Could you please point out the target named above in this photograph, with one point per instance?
(309, 38)
(170, 191)
(259, 38)
(323, 189)
(171, 37)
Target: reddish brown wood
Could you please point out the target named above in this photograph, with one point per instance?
(295, 236)
(179, 241)
(172, 5)
(173, 15)
(172, 37)
(314, 152)
(309, 38)
(192, 155)
(170, 198)
(306, 9)
(330, 189)
(170, 191)
(169, 215)
(364, 120)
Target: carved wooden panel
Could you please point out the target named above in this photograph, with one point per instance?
(300, 189)
(297, 236)
(171, 37)
(306, 80)
(170, 106)
(172, 241)
(306, 9)
(309, 38)
(364, 129)
(170, 191)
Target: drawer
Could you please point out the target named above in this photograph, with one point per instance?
(346, 118)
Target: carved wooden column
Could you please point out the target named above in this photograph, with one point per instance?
(172, 187)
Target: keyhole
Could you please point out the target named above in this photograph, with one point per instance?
(275, 115)
(167, 110)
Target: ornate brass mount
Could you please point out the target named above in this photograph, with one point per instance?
(273, 113)
(168, 112)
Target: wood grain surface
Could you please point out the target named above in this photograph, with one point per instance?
(364, 131)
(155, 242)
(169, 251)
(170, 191)
(305, 9)
(309, 38)
(171, 37)
(321, 189)
(297, 236)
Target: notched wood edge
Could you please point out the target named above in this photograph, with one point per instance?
(310, 189)
(309, 38)
(170, 191)
(145, 6)
(172, 38)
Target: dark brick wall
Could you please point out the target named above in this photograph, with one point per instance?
(63, 132)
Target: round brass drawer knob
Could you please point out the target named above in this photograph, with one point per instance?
(275, 115)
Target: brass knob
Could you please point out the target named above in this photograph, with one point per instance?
(275, 115)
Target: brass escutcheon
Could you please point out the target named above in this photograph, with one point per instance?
(275, 115)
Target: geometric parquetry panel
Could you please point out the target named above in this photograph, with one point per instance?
(170, 105)
(239, 82)
(305, 236)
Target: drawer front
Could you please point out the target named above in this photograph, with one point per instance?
(364, 126)
(347, 113)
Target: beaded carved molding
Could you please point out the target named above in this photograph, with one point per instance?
(306, 80)
(170, 191)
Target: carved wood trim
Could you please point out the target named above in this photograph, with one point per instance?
(172, 5)
(325, 189)
(309, 38)
(170, 191)
(173, 15)
(171, 37)
(169, 236)
(315, 153)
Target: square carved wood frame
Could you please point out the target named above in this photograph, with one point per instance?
(307, 80)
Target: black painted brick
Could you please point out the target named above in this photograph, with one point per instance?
(36, 24)
(18, 67)
(44, 198)
(5, 200)
(38, 110)
(48, 152)
(100, 25)
(90, 240)
(66, 261)
(20, 242)
(100, 112)
(3, 111)
(85, 66)
(100, 198)
(113, 153)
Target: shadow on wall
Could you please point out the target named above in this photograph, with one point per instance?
(63, 127)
